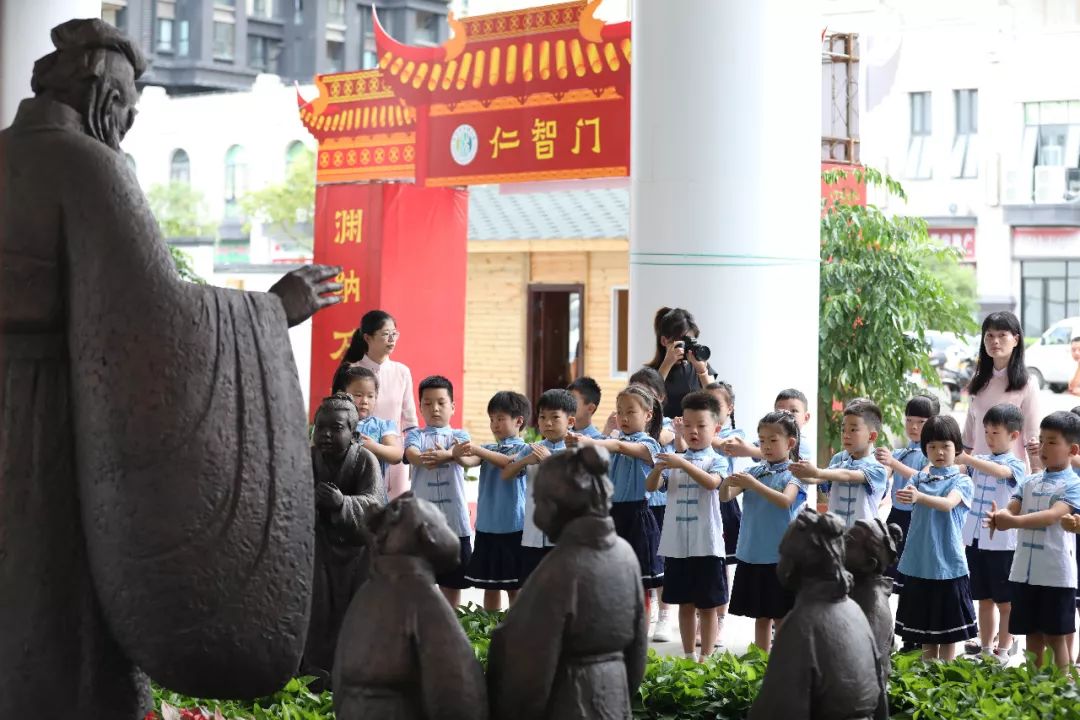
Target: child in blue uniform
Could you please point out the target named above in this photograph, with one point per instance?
(379, 436)
(995, 477)
(858, 480)
(586, 392)
(691, 540)
(639, 418)
(789, 400)
(935, 608)
(555, 417)
(438, 472)
(1044, 563)
(732, 512)
(500, 505)
(772, 497)
(904, 463)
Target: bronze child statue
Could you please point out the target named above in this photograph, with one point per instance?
(402, 654)
(348, 488)
(870, 549)
(825, 663)
(573, 646)
(165, 528)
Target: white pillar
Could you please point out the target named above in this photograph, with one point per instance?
(725, 187)
(24, 37)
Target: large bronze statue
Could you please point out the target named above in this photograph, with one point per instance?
(156, 495)
(824, 663)
(402, 654)
(573, 646)
(871, 548)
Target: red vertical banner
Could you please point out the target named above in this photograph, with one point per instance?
(425, 232)
(348, 232)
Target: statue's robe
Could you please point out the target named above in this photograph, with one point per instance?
(156, 495)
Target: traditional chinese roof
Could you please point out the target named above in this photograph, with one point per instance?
(511, 54)
(596, 213)
(355, 103)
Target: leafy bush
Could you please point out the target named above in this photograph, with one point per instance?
(724, 688)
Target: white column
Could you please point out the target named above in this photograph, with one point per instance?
(24, 37)
(725, 187)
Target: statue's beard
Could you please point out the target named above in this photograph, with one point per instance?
(107, 117)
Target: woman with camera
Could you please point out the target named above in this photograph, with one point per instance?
(680, 360)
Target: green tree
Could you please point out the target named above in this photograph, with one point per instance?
(180, 210)
(183, 266)
(879, 296)
(289, 206)
(957, 278)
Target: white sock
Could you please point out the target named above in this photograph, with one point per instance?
(663, 616)
(689, 656)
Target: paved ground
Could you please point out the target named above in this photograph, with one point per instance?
(738, 632)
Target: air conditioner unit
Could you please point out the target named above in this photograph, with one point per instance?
(1017, 188)
(1049, 185)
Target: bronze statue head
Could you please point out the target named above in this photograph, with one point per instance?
(409, 525)
(871, 546)
(570, 485)
(813, 549)
(93, 69)
(335, 425)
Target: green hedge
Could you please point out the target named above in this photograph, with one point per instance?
(725, 687)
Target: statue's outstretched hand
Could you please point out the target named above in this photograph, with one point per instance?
(303, 292)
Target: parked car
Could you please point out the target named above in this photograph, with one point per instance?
(1049, 360)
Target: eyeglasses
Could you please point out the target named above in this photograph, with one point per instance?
(390, 334)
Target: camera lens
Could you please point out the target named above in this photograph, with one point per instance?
(702, 352)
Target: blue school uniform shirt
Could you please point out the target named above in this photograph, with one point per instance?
(591, 432)
(500, 504)
(857, 501)
(934, 546)
(764, 524)
(693, 526)
(628, 473)
(658, 498)
(375, 428)
(990, 490)
(912, 457)
(443, 485)
(1046, 556)
(532, 536)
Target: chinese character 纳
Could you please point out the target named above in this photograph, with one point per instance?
(348, 225)
(503, 140)
(581, 123)
(543, 135)
(350, 286)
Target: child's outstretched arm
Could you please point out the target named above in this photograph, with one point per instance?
(656, 475)
(729, 490)
(387, 448)
(780, 499)
(637, 450)
(462, 453)
(537, 453)
(1071, 523)
(1010, 517)
(704, 478)
(738, 447)
(986, 467)
(490, 456)
(808, 472)
(910, 495)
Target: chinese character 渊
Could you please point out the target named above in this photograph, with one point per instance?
(543, 135)
(346, 339)
(503, 140)
(348, 225)
(581, 123)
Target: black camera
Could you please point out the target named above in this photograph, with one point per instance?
(693, 347)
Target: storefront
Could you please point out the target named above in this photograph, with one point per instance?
(1049, 265)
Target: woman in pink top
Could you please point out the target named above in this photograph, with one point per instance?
(1001, 377)
(371, 346)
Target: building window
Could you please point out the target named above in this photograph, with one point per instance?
(918, 165)
(425, 28)
(620, 329)
(180, 167)
(224, 40)
(183, 38)
(225, 3)
(235, 179)
(114, 12)
(264, 54)
(261, 8)
(964, 159)
(1049, 291)
(335, 56)
(335, 12)
(369, 56)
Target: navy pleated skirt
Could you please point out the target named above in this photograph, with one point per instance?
(936, 612)
(636, 524)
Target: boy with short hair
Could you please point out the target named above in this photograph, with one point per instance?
(500, 504)
(995, 476)
(555, 418)
(859, 480)
(1044, 562)
(436, 454)
(790, 400)
(586, 392)
(692, 537)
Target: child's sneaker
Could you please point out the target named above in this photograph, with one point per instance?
(972, 647)
(663, 631)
